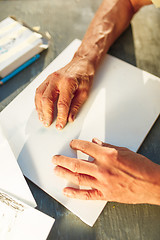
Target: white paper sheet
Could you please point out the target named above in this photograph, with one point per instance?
(131, 100)
(19, 221)
(11, 177)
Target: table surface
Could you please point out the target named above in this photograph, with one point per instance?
(138, 45)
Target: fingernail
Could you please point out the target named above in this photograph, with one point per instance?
(59, 126)
(41, 118)
(46, 124)
(54, 159)
(96, 140)
(71, 142)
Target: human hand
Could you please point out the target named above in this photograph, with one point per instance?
(70, 86)
(116, 174)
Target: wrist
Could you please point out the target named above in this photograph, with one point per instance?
(88, 54)
(84, 66)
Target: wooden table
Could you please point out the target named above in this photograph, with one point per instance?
(139, 45)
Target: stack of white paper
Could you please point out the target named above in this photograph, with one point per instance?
(18, 44)
(11, 177)
(17, 219)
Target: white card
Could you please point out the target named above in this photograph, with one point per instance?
(11, 177)
(19, 221)
(131, 106)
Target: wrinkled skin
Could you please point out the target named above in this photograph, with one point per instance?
(116, 174)
(68, 88)
(71, 84)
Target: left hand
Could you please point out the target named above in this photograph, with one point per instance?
(116, 174)
(68, 88)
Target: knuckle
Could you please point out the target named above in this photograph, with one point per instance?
(104, 155)
(78, 179)
(101, 172)
(51, 76)
(76, 167)
(54, 77)
(38, 93)
(84, 146)
(63, 104)
(111, 153)
(46, 100)
(55, 74)
(84, 94)
(71, 84)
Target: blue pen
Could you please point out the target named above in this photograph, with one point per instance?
(19, 69)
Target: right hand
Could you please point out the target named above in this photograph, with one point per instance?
(116, 174)
(70, 86)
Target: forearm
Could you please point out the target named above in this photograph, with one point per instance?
(72, 83)
(110, 20)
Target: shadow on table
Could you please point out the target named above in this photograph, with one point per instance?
(67, 226)
(150, 147)
(123, 48)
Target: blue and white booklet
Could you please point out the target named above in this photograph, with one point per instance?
(18, 44)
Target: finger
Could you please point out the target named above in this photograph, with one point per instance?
(92, 149)
(77, 102)
(75, 165)
(76, 178)
(38, 98)
(100, 143)
(63, 106)
(92, 194)
(48, 99)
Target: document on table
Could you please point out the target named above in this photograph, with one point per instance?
(11, 177)
(17, 219)
(121, 109)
